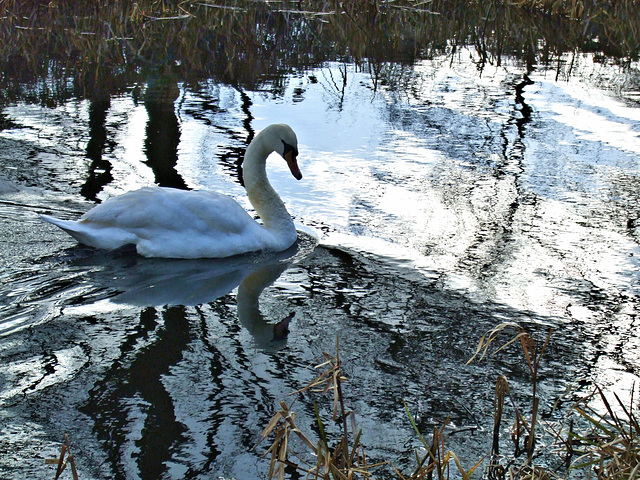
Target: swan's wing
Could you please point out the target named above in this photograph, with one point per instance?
(166, 222)
(200, 225)
(170, 210)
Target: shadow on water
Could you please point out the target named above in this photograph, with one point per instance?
(157, 372)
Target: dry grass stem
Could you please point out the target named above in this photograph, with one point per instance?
(612, 446)
(61, 462)
(346, 460)
(245, 42)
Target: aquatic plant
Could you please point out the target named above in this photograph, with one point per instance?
(532, 353)
(345, 458)
(436, 462)
(607, 444)
(611, 447)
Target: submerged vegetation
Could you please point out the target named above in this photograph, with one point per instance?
(249, 42)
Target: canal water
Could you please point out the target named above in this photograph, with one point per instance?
(433, 207)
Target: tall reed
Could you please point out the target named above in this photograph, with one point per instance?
(247, 42)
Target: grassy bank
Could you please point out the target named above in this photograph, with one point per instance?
(246, 42)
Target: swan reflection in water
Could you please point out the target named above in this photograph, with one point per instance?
(153, 281)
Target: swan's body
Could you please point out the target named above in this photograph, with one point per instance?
(171, 223)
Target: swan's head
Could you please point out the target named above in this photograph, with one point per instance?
(288, 147)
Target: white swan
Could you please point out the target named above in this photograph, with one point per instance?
(172, 223)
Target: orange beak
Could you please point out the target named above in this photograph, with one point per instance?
(292, 161)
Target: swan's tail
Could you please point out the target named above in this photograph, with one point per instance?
(72, 227)
(92, 234)
(68, 226)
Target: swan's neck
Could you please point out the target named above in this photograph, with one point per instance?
(262, 196)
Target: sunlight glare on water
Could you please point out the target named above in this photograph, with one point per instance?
(416, 173)
(128, 123)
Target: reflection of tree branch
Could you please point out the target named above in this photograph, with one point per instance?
(340, 90)
(353, 22)
(246, 122)
(481, 41)
(525, 109)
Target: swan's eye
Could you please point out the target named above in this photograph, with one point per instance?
(288, 148)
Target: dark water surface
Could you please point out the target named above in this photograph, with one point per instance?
(443, 209)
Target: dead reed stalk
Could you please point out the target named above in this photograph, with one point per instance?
(343, 459)
(65, 458)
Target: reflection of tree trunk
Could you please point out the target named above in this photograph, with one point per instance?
(161, 428)
(134, 386)
(246, 109)
(163, 132)
(525, 109)
(99, 170)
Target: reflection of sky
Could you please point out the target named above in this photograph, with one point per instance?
(443, 176)
(127, 123)
(435, 171)
(591, 115)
